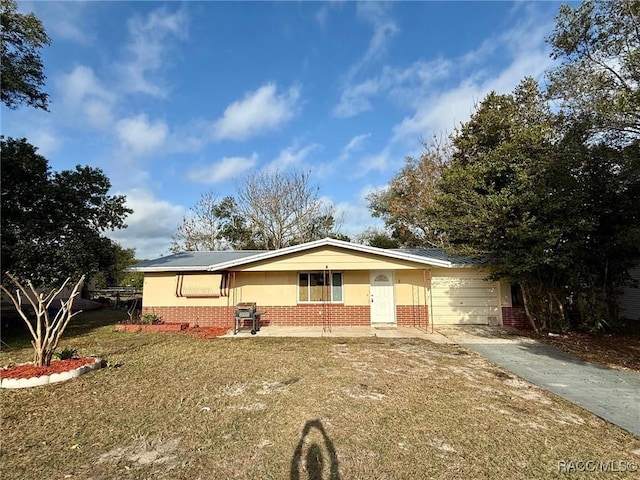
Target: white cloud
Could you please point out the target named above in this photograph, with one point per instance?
(439, 111)
(83, 94)
(98, 113)
(138, 136)
(292, 156)
(402, 85)
(227, 168)
(384, 27)
(354, 144)
(61, 19)
(322, 14)
(81, 83)
(442, 112)
(256, 113)
(151, 224)
(355, 98)
(46, 142)
(326, 169)
(355, 214)
(148, 49)
(381, 162)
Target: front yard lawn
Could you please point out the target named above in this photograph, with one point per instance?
(182, 407)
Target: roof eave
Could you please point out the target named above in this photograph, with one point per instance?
(202, 268)
(332, 243)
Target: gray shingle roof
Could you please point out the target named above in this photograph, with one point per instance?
(191, 261)
(212, 261)
(440, 254)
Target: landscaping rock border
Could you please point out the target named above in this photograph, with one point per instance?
(53, 378)
(162, 327)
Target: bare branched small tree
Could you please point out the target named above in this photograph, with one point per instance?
(46, 332)
(284, 209)
(202, 229)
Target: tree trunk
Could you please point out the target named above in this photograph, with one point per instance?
(525, 302)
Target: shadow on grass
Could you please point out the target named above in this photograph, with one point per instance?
(15, 334)
(316, 455)
(548, 355)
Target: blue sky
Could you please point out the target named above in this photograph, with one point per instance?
(174, 99)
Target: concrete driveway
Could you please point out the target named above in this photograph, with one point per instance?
(613, 395)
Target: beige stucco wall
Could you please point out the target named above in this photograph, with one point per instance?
(412, 287)
(264, 288)
(159, 290)
(356, 288)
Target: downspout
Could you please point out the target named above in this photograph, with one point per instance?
(424, 287)
(232, 292)
(179, 285)
(330, 297)
(223, 284)
(430, 316)
(326, 301)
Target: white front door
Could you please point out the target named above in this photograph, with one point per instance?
(383, 308)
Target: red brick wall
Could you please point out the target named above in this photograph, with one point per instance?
(201, 316)
(336, 315)
(412, 315)
(515, 317)
(299, 315)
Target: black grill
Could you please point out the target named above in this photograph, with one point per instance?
(247, 312)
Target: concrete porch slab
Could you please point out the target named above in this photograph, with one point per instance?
(344, 332)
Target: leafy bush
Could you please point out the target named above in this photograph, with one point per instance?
(150, 319)
(66, 354)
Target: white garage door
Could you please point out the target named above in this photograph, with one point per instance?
(464, 298)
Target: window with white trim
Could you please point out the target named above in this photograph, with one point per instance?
(316, 287)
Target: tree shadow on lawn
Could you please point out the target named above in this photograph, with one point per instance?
(550, 357)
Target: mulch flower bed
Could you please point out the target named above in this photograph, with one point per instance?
(207, 332)
(201, 332)
(57, 366)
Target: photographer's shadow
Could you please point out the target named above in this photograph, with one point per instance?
(316, 457)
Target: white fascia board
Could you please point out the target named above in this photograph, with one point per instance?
(330, 242)
(202, 268)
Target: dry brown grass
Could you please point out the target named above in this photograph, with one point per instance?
(181, 407)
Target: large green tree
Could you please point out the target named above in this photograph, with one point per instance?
(599, 77)
(406, 204)
(492, 197)
(554, 212)
(22, 38)
(52, 222)
(113, 264)
(602, 190)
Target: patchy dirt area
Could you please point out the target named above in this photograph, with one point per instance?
(144, 451)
